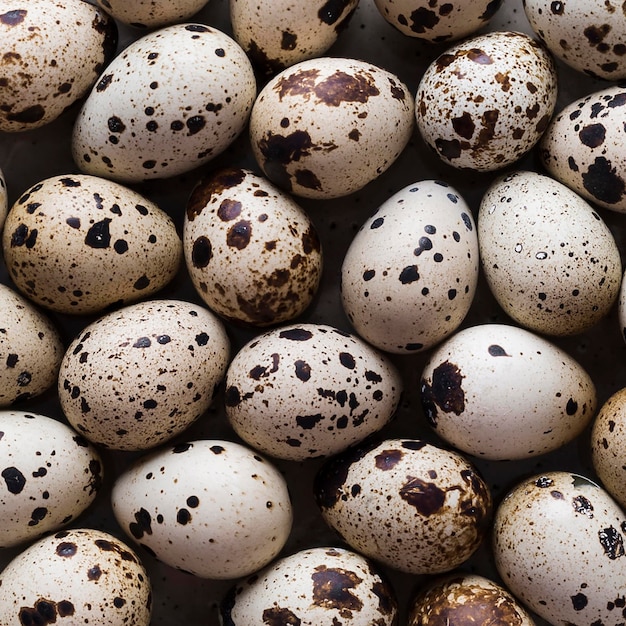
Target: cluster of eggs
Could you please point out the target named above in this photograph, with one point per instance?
(191, 347)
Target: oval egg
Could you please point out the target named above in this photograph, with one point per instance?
(4, 200)
(410, 274)
(151, 14)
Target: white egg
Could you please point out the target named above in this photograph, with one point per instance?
(151, 13)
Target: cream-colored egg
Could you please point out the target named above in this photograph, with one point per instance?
(50, 475)
(79, 576)
(309, 390)
(501, 392)
(484, 103)
(171, 101)
(53, 52)
(326, 127)
(314, 586)
(412, 505)
(4, 200)
(253, 254)
(151, 13)
(584, 147)
(213, 508)
(139, 376)
(30, 349)
(79, 243)
(410, 274)
(551, 262)
(559, 547)
(278, 33)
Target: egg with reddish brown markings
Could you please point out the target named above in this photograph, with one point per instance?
(151, 14)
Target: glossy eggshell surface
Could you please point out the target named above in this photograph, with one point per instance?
(213, 508)
(151, 13)
(326, 127)
(304, 391)
(550, 260)
(559, 546)
(170, 102)
(501, 392)
(410, 274)
(409, 504)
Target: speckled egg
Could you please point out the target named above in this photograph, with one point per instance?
(254, 256)
(559, 547)
(80, 576)
(413, 506)
(278, 33)
(326, 127)
(30, 349)
(484, 103)
(215, 509)
(410, 274)
(583, 147)
(316, 586)
(54, 51)
(463, 599)
(501, 392)
(551, 262)
(4, 200)
(141, 375)
(309, 390)
(170, 102)
(438, 21)
(79, 244)
(50, 475)
(151, 13)
(588, 35)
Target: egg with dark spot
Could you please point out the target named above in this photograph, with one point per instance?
(147, 14)
(4, 200)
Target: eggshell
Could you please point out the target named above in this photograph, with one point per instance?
(583, 147)
(438, 21)
(501, 392)
(141, 375)
(326, 127)
(316, 586)
(410, 274)
(254, 256)
(413, 506)
(278, 33)
(170, 102)
(550, 260)
(559, 547)
(50, 476)
(588, 35)
(54, 52)
(30, 349)
(463, 599)
(309, 390)
(212, 508)
(151, 13)
(79, 243)
(80, 576)
(484, 103)
(4, 200)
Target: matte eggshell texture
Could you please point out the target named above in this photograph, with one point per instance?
(137, 377)
(81, 576)
(306, 391)
(279, 33)
(501, 392)
(551, 262)
(588, 35)
(50, 476)
(312, 587)
(253, 254)
(438, 21)
(584, 147)
(326, 127)
(170, 102)
(213, 508)
(485, 102)
(4, 200)
(559, 547)
(411, 505)
(54, 52)
(79, 243)
(30, 349)
(410, 274)
(151, 13)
